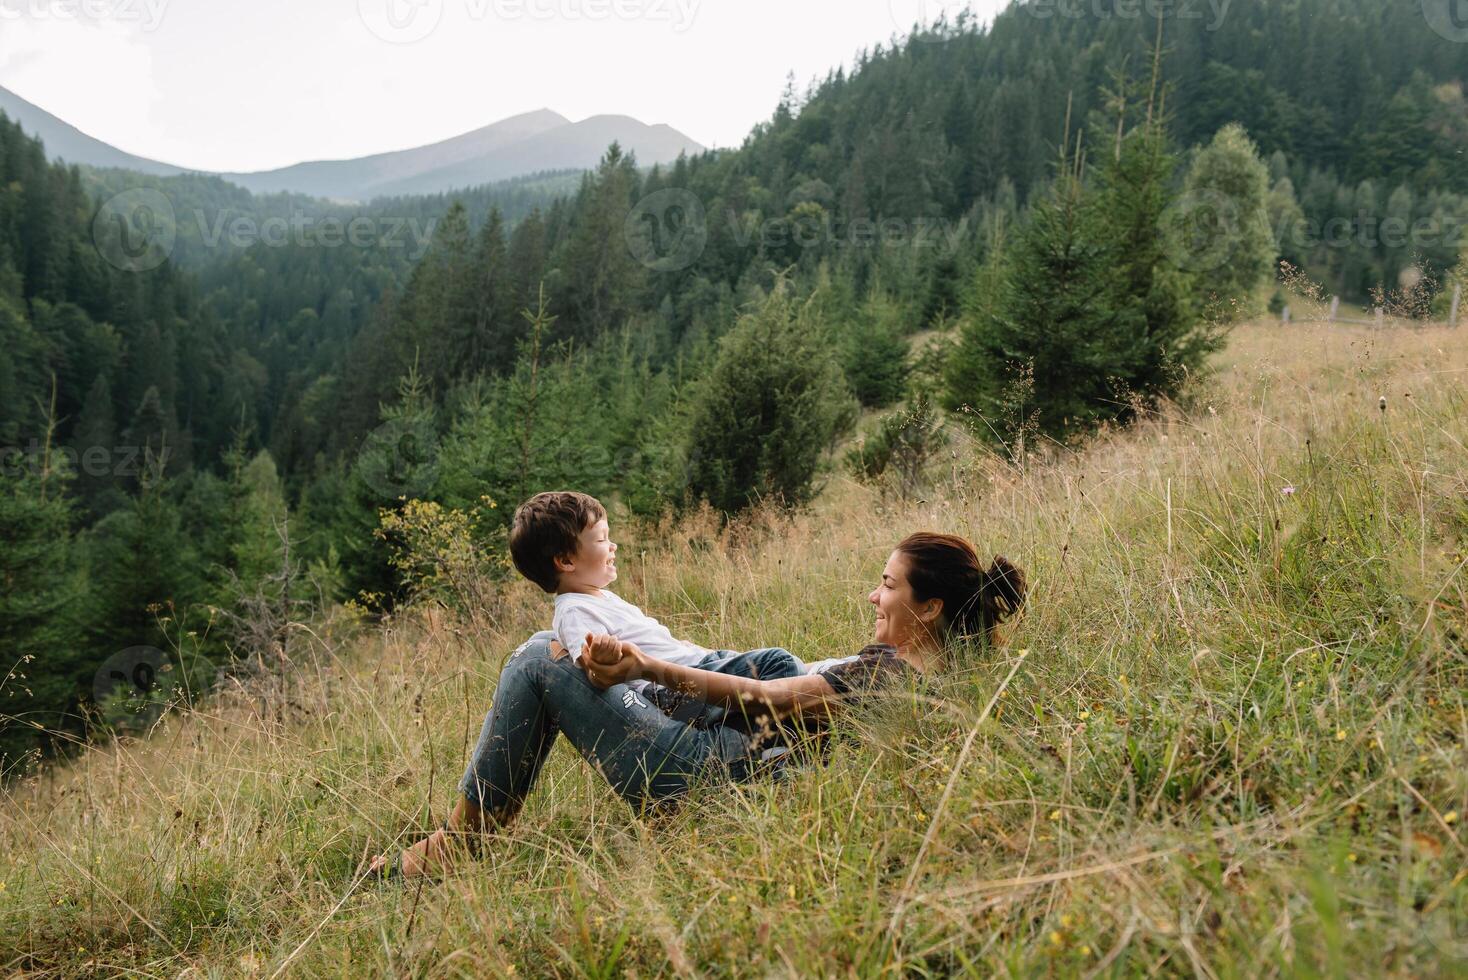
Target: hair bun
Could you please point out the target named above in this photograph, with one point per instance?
(1005, 586)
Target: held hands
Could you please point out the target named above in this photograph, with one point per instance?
(602, 649)
(607, 661)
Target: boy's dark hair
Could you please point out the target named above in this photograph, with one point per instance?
(546, 527)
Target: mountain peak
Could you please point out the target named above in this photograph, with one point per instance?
(528, 142)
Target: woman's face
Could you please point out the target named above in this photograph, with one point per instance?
(901, 619)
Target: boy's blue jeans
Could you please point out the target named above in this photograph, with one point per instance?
(765, 664)
(647, 756)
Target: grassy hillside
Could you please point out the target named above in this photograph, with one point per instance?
(1235, 741)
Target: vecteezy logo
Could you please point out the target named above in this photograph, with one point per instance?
(667, 230)
(629, 698)
(1205, 226)
(400, 458)
(1449, 18)
(400, 21)
(135, 230)
(129, 687)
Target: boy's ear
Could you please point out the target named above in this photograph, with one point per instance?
(565, 563)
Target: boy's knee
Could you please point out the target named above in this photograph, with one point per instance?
(537, 649)
(775, 662)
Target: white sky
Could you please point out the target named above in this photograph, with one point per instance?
(256, 84)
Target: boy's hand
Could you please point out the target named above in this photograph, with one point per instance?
(602, 649)
(626, 667)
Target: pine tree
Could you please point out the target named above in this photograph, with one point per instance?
(22, 366)
(770, 407)
(969, 372)
(153, 438)
(437, 324)
(260, 515)
(97, 451)
(491, 342)
(1046, 322)
(1159, 338)
(600, 276)
(1456, 279)
(41, 617)
(144, 571)
(874, 353)
(542, 426)
(527, 259)
(1221, 226)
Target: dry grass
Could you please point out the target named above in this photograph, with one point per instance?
(1236, 745)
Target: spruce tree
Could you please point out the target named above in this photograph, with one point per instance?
(969, 371)
(490, 341)
(143, 571)
(544, 425)
(41, 607)
(527, 259)
(1160, 339)
(97, 451)
(874, 353)
(1046, 322)
(602, 278)
(770, 407)
(1221, 226)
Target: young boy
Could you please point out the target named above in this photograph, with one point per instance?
(560, 542)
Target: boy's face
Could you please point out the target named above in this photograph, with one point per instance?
(594, 565)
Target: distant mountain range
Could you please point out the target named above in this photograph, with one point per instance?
(528, 143)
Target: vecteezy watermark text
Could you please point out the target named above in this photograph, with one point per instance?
(668, 230)
(93, 461)
(309, 231)
(147, 13)
(407, 21)
(138, 229)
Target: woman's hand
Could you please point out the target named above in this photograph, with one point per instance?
(602, 649)
(608, 661)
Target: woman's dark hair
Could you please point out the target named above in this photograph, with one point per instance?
(975, 599)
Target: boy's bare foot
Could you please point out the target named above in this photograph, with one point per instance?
(430, 856)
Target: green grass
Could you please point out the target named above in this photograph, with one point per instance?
(1234, 745)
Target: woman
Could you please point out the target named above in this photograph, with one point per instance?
(934, 590)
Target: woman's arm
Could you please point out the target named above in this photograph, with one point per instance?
(806, 696)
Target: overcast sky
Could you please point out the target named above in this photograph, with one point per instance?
(256, 84)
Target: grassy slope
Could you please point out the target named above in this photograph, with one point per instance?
(1236, 745)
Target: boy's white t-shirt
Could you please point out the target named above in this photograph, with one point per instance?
(578, 614)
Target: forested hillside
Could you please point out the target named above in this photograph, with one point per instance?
(263, 415)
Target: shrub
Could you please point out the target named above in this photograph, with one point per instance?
(772, 404)
(902, 446)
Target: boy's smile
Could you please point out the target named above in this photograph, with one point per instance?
(594, 565)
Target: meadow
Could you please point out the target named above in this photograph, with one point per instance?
(1228, 737)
